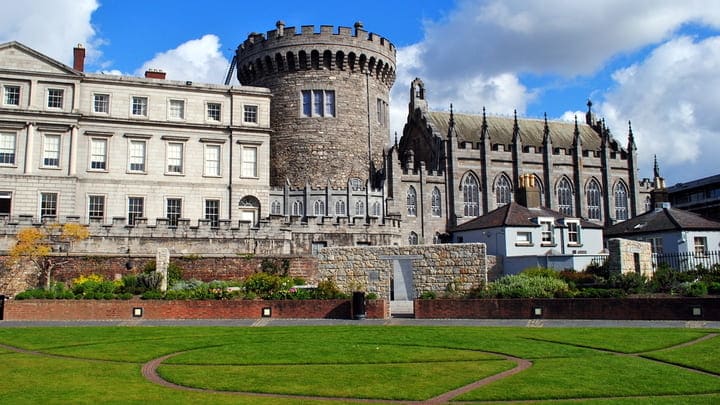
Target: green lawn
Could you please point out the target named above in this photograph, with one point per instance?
(597, 365)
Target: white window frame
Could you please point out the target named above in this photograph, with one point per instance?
(132, 216)
(318, 103)
(547, 231)
(101, 100)
(213, 217)
(176, 109)
(49, 153)
(7, 94)
(90, 204)
(212, 166)
(55, 98)
(42, 208)
(250, 113)
(134, 159)
(8, 148)
(174, 163)
(248, 167)
(94, 157)
(142, 103)
(700, 245)
(211, 111)
(577, 231)
(523, 238)
(173, 217)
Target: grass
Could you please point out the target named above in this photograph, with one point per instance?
(405, 363)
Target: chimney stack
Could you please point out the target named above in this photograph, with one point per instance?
(155, 74)
(79, 58)
(529, 192)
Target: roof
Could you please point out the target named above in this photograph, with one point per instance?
(710, 180)
(516, 215)
(662, 220)
(500, 129)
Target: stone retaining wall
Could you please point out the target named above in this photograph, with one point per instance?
(572, 308)
(436, 268)
(100, 310)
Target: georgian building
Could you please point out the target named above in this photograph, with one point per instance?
(102, 147)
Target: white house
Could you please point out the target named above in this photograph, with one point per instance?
(525, 237)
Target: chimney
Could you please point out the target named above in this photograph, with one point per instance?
(79, 58)
(529, 193)
(155, 74)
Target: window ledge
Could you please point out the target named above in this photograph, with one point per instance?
(575, 244)
(546, 244)
(524, 244)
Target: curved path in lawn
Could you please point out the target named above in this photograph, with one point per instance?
(149, 371)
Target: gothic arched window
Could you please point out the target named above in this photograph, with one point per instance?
(471, 196)
(565, 197)
(413, 238)
(594, 196)
(621, 202)
(297, 208)
(275, 208)
(435, 203)
(340, 208)
(359, 208)
(376, 211)
(319, 208)
(503, 193)
(411, 202)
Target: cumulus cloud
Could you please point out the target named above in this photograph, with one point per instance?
(671, 99)
(52, 27)
(197, 60)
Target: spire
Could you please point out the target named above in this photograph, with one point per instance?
(452, 117)
(396, 144)
(631, 137)
(516, 128)
(452, 132)
(656, 168)
(576, 133)
(546, 130)
(589, 119)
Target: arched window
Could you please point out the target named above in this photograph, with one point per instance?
(411, 202)
(319, 208)
(297, 208)
(593, 200)
(435, 203)
(413, 238)
(376, 211)
(359, 208)
(276, 208)
(565, 197)
(340, 208)
(471, 196)
(503, 191)
(621, 202)
(648, 204)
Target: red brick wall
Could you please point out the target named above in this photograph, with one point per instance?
(59, 310)
(575, 308)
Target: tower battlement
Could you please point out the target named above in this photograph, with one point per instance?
(284, 49)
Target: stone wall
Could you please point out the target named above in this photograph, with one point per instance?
(437, 268)
(93, 310)
(630, 256)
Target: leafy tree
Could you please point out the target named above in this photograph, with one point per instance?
(35, 244)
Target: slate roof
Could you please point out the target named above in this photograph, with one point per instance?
(662, 220)
(469, 128)
(516, 215)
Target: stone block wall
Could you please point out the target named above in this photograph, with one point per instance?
(437, 268)
(630, 256)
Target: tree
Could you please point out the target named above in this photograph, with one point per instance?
(35, 244)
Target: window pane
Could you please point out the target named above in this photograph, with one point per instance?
(177, 109)
(318, 103)
(175, 158)
(96, 207)
(212, 212)
(48, 205)
(139, 106)
(250, 113)
(55, 98)
(12, 95)
(136, 208)
(329, 103)
(137, 156)
(51, 151)
(306, 102)
(174, 210)
(101, 103)
(98, 153)
(212, 160)
(7, 148)
(213, 111)
(249, 162)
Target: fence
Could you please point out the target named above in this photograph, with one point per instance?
(684, 261)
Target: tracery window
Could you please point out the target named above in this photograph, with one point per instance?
(503, 191)
(435, 203)
(411, 201)
(471, 196)
(565, 197)
(621, 202)
(593, 200)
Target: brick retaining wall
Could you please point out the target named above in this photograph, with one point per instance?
(575, 308)
(96, 310)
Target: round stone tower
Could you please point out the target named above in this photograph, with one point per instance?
(330, 106)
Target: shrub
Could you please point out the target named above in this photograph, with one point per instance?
(262, 284)
(540, 272)
(270, 266)
(428, 295)
(327, 289)
(631, 283)
(599, 270)
(152, 295)
(522, 286)
(600, 293)
(149, 281)
(577, 277)
(371, 296)
(714, 288)
(696, 289)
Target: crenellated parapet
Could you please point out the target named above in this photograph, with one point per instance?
(285, 50)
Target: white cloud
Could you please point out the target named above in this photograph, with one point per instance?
(197, 60)
(52, 27)
(672, 98)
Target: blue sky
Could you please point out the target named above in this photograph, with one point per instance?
(652, 62)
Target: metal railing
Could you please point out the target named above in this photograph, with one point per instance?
(684, 261)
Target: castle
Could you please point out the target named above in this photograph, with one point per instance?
(294, 159)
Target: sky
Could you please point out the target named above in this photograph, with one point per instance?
(652, 63)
